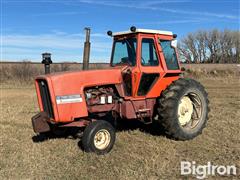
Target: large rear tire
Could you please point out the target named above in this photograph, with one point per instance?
(183, 109)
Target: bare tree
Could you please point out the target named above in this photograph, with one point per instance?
(189, 44)
(201, 45)
(236, 45)
(212, 46)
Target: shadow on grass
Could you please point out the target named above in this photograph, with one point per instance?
(74, 133)
(63, 132)
(154, 128)
(122, 125)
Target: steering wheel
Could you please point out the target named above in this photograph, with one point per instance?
(143, 61)
(126, 62)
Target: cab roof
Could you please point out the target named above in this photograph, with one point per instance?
(148, 31)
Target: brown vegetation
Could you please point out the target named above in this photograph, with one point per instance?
(25, 72)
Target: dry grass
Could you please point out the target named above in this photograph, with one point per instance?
(24, 72)
(212, 70)
(136, 154)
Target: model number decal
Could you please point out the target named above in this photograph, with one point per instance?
(68, 99)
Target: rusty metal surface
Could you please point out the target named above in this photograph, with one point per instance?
(101, 108)
(137, 109)
(40, 122)
(80, 123)
(127, 110)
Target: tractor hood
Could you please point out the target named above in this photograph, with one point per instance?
(74, 82)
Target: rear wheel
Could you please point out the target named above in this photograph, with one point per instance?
(98, 137)
(183, 109)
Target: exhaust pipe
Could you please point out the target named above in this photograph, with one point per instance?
(86, 52)
(46, 60)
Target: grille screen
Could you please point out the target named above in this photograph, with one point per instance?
(45, 96)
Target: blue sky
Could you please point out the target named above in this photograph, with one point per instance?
(30, 27)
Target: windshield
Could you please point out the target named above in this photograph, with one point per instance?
(124, 52)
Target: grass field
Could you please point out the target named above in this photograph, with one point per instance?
(137, 154)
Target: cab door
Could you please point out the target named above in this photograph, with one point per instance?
(149, 66)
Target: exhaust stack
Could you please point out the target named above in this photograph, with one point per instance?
(86, 52)
(46, 60)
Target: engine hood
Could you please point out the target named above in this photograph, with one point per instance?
(76, 81)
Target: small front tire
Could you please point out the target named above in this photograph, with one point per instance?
(98, 137)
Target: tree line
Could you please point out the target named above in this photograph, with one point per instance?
(210, 46)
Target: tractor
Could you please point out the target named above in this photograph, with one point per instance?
(144, 82)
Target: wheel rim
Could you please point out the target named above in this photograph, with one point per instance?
(185, 110)
(102, 139)
(189, 110)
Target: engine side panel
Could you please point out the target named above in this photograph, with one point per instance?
(70, 85)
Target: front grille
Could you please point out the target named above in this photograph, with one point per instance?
(45, 97)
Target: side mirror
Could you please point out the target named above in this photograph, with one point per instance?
(174, 43)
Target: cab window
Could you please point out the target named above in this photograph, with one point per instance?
(149, 54)
(124, 52)
(169, 55)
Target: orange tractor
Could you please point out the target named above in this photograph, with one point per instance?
(143, 82)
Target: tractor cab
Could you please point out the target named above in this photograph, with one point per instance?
(149, 56)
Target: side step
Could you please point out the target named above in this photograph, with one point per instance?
(144, 116)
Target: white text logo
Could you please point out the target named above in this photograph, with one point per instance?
(202, 171)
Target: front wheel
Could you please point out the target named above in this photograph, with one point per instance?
(98, 137)
(183, 109)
